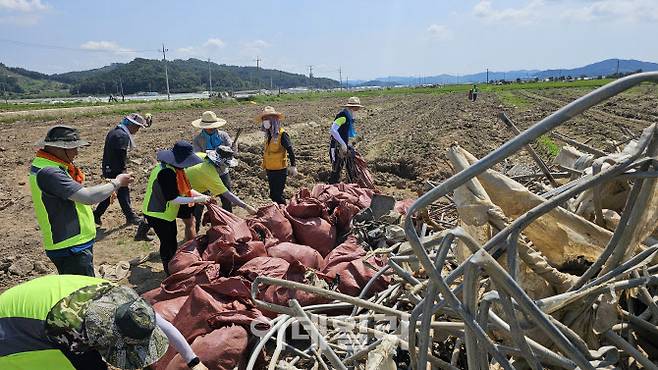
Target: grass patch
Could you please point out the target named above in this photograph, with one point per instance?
(547, 144)
(122, 108)
(510, 98)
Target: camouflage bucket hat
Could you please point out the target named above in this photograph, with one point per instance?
(121, 326)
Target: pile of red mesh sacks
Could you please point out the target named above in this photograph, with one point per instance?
(207, 295)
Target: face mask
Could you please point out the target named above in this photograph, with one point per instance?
(266, 125)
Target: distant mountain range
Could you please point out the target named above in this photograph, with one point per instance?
(603, 68)
(146, 75)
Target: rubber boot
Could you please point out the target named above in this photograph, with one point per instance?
(142, 232)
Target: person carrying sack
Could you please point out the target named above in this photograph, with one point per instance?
(167, 189)
(63, 205)
(342, 130)
(66, 322)
(277, 150)
(210, 138)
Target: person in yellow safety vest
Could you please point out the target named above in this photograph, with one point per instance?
(67, 322)
(168, 187)
(206, 178)
(278, 149)
(63, 205)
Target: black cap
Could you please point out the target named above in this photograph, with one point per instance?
(62, 136)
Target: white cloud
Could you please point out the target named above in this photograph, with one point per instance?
(22, 12)
(254, 48)
(439, 32)
(110, 46)
(627, 10)
(208, 48)
(214, 43)
(525, 14)
(25, 6)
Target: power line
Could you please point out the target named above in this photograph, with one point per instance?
(57, 47)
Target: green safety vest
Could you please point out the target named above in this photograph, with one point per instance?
(23, 312)
(154, 203)
(63, 222)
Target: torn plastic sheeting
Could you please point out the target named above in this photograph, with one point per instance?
(560, 235)
(381, 358)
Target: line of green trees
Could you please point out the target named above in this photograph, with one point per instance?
(190, 75)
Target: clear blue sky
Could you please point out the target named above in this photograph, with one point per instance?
(367, 38)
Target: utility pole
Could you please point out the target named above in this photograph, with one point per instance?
(340, 77)
(487, 75)
(280, 81)
(164, 59)
(4, 89)
(310, 76)
(347, 82)
(258, 60)
(209, 80)
(617, 73)
(123, 97)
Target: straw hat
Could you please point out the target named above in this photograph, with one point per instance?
(208, 120)
(269, 111)
(353, 102)
(62, 136)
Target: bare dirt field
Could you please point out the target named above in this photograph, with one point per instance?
(403, 138)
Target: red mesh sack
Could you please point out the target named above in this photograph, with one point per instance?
(182, 282)
(169, 309)
(192, 318)
(343, 215)
(307, 208)
(347, 262)
(281, 295)
(273, 218)
(303, 254)
(188, 254)
(232, 255)
(222, 349)
(266, 266)
(315, 232)
(225, 225)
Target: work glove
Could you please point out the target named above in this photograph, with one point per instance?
(292, 171)
(149, 119)
(343, 149)
(199, 366)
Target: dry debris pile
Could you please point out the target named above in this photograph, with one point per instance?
(555, 270)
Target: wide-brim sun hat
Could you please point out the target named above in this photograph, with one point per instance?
(222, 155)
(62, 136)
(208, 120)
(269, 111)
(353, 101)
(136, 119)
(180, 156)
(121, 326)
